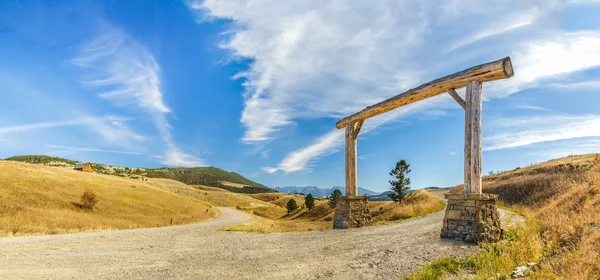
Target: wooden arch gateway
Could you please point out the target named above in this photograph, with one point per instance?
(349, 210)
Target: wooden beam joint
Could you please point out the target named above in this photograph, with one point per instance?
(357, 129)
(457, 97)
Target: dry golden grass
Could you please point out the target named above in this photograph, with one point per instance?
(265, 225)
(321, 216)
(230, 184)
(561, 200)
(279, 199)
(36, 200)
(302, 219)
(416, 204)
(222, 198)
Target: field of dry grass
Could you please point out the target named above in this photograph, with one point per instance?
(37, 200)
(561, 200)
(222, 198)
(302, 219)
(417, 204)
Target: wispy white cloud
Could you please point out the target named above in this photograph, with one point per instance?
(561, 54)
(518, 132)
(176, 157)
(313, 59)
(498, 27)
(67, 148)
(79, 121)
(331, 141)
(531, 107)
(129, 76)
(566, 148)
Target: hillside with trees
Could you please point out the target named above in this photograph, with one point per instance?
(209, 176)
(205, 176)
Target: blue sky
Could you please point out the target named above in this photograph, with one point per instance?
(257, 86)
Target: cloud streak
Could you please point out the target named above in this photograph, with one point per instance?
(72, 122)
(92, 150)
(533, 130)
(129, 76)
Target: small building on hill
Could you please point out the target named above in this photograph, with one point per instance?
(84, 166)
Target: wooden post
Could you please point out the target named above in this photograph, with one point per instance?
(467, 159)
(351, 184)
(473, 138)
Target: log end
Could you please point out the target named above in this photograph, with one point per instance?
(507, 66)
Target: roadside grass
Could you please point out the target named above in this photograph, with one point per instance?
(264, 225)
(302, 219)
(39, 200)
(444, 266)
(562, 232)
(419, 203)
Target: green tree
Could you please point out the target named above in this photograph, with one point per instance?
(291, 205)
(333, 198)
(401, 185)
(309, 201)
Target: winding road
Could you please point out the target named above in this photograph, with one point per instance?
(200, 251)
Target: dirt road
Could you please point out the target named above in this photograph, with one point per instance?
(201, 252)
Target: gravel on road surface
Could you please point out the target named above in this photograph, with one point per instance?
(200, 251)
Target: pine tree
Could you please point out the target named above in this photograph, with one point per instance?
(309, 201)
(401, 185)
(333, 198)
(291, 205)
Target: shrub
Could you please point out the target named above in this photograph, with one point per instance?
(88, 200)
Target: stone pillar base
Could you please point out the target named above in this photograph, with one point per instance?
(351, 212)
(472, 218)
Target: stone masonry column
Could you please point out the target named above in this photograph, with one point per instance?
(351, 210)
(472, 216)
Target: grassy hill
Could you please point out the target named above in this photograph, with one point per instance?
(561, 201)
(40, 159)
(209, 176)
(206, 176)
(37, 199)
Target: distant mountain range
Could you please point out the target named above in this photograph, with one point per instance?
(321, 192)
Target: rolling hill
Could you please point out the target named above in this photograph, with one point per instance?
(206, 176)
(210, 176)
(37, 199)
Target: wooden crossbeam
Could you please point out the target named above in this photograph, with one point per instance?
(496, 70)
(458, 99)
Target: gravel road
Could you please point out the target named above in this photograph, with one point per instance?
(199, 251)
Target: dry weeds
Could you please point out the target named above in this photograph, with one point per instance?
(416, 204)
(561, 200)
